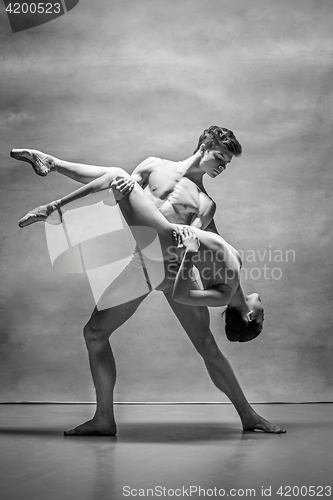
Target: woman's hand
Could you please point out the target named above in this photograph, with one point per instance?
(123, 186)
(189, 239)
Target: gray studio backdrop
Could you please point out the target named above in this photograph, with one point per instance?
(113, 83)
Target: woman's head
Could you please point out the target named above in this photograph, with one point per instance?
(240, 327)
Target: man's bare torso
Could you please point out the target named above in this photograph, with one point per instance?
(179, 199)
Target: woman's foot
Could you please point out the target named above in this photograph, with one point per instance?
(93, 427)
(41, 163)
(40, 214)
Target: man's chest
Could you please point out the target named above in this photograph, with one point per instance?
(163, 181)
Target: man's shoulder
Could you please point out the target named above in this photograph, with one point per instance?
(148, 161)
(153, 162)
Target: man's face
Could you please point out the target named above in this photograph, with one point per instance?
(214, 161)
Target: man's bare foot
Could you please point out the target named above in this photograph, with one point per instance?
(256, 422)
(93, 428)
(41, 163)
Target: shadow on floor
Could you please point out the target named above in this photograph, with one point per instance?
(153, 432)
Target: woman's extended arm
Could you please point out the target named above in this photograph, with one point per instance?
(182, 292)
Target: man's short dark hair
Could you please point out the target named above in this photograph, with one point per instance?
(214, 136)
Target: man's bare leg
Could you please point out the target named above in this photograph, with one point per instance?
(103, 366)
(195, 321)
(44, 163)
(131, 283)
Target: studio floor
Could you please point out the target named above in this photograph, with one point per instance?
(176, 447)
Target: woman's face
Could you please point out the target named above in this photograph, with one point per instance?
(254, 302)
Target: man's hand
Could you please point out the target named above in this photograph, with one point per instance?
(189, 239)
(122, 187)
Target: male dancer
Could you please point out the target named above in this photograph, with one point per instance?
(177, 190)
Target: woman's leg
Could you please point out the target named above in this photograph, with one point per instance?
(80, 171)
(44, 163)
(136, 207)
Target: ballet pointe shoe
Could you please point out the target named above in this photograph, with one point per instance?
(41, 163)
(41, 214)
